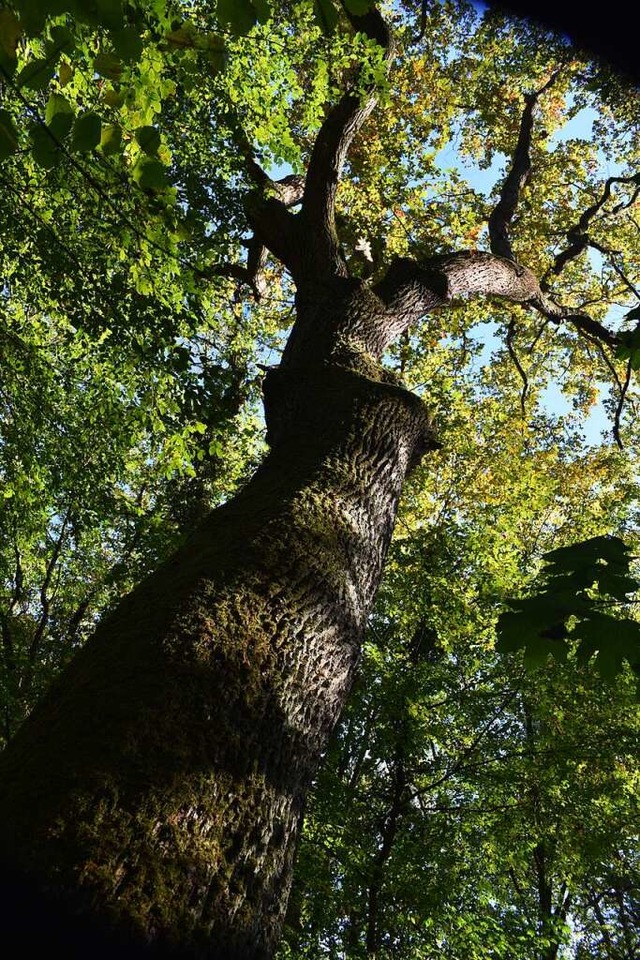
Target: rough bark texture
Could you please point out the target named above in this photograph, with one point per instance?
(159, 788)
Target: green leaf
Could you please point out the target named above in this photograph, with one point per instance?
(633, 356)
(127, 44)
(45, 151)
(33, 13)
(613, 640)
(629, 343)
(215, 50)
(588, 552)
(65, 73)
(10, 33)
(517, 629)
(59, 115)
(150, 174)
(101, 13)
(111, 139)
(114, 98)
(110, 11)
(615, 584)
(326, 15)
(358, 7)
(538, 624)
(8, 64)
(263, 10)
(8, 135)
(61, 125)
(108, 65)
(149, 139)
(36, 75)
(239, 15)
(56, 104)
(86, 132)
(62, 41)
(537, 653)
(183, 37)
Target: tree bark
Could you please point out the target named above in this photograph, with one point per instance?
(157, 792)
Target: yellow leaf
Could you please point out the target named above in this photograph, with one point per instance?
(65, 73)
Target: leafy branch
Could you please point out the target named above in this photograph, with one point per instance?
(571, 613)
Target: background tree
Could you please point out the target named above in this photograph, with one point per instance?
(467, 806)
(178, 748)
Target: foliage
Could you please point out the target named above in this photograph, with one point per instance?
(467, 802)
(583, 581)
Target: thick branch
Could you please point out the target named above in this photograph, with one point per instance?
(502, 215)
(412, 289)
(286, 192)
(266, 207)
(333, 142)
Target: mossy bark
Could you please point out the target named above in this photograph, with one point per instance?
(158, 790)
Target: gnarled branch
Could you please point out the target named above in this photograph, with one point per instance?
(287, 192)
(412, 289)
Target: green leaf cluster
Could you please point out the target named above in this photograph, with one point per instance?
(586, 585)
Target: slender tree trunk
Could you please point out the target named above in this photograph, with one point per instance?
(158, 790)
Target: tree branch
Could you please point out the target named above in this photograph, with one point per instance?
(332, 145)
(578, 235)
(619, 406)
(266, 207)
(514, 356)
(583, 323)
(287, 192)
(502, 214)
(412, 289)
(45, 601)
(251, 274)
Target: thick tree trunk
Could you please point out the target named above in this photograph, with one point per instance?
(158, 790)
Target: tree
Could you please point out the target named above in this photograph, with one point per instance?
(158, 788)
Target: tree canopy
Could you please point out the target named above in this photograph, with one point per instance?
(477, 800)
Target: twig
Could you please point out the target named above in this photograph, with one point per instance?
(514, 356)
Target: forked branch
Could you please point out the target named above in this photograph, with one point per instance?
(267, 204)
(582, 322)
(267, 207)
(578, 235)
(285, 193)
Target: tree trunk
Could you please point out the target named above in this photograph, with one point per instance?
(157, 792)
